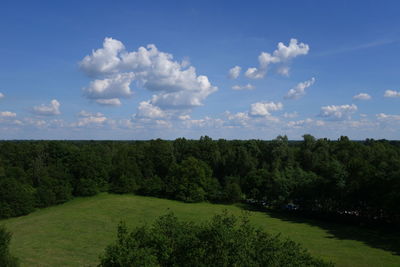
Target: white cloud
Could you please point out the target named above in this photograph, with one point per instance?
(184, 117)
(185, 98)
(300, 89)
(294, 49)
(360, 124)
(234, 72)
(362, 96)
(299, 123)
(290, 115)
(238, 119)
(89, 118)
(304, 123)
(284, 70)
(125, 123)
(114, 87)
(254, 73)
(2, 95)
(105, 60)
(48, 110)
(338, 112)
(264, 108)
(203, 123)
(35, 122)
(383, 116)
(243, 87)
(282, 55)
(7, 114)
(392, 93)
(163, 124)
(148, 110)
(109, 102)
(84, 113)
(176, 84)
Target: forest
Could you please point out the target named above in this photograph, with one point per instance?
(359, 180)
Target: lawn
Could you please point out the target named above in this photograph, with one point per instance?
(75, 233)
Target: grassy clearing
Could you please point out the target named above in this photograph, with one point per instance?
(75, 233)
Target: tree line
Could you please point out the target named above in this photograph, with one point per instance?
(341, 177)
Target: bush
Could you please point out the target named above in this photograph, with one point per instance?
(223, 241)
(6, 260)
(16, 199)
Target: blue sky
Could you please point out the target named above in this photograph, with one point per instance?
(166, 69)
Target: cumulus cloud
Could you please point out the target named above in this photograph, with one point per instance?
(109, 102)
(114, 87)
(175, 84)
(7, 114)
(338, 112)
(234, 72)
(148, 110)
(238, 119)
(282, 55)
(392, 93)
(48, 110)
(243, 87)
(264, 108)
(89, 118)
(300, 89)
(105, 60)
(2, 95)
(362, 96)
(185, 98)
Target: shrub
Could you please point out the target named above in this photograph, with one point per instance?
(6, 260)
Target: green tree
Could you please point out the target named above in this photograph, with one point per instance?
(222, 241)
(16, 199)
(188, 180)
(6, 259)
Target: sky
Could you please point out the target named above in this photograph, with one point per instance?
(134, 70)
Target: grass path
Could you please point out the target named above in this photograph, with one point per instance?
(75, 233)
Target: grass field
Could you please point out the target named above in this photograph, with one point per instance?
(75, 233)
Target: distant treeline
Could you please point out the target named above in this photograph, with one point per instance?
(343, 177)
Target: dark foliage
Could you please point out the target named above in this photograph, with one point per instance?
(334, 178)
(223, 241)
(6, 259)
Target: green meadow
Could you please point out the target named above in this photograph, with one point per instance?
(76, 233)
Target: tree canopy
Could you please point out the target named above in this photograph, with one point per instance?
(359, 179)
(222, 241)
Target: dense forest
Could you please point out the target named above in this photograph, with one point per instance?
(359, 179)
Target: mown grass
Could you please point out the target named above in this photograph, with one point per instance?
(75, 233)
